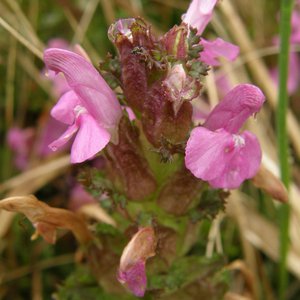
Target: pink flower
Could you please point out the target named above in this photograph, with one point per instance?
(212, 50)
(198, 16)
(90, 107)
(216, 152)
(20, 142)
(50, 130)
(130, 113)
(295, 23)
(132, 270)
(293, 75)
(135, 278)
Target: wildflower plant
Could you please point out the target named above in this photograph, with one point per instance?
(154, 173)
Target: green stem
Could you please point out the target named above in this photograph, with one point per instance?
(285, 30)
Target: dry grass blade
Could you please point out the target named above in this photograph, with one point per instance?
(37, 286)
(24, 23)
(259, 231)
(21, 39)
(29, 67)
(212, 90)
(87, 45)
(294, 192)
(98, 213)
(236, 211)
(28, 178)
(108, 10)
(41, 265)
(85, 21)
(131, 11)
(247, 58)
(239, 265)
(11, 70)
(214, 237)
(6, 218)
(174, 3)
(21, 184)
(137, 6)
(234, 296)
(271, 184)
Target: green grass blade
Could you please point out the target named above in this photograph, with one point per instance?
(285, 30)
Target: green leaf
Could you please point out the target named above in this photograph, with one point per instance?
(103, 228)
(185, 271)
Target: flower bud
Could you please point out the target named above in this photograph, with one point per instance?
(271, 184)
(175, 41)
(133, 39)
(160, 122)
(132, 264)
(180, 86)
(120, 28)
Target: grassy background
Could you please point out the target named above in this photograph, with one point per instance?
(249, 231)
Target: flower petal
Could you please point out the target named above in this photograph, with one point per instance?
(94, 93)
(135, 278)
(63, 110)
(60, 85)
(223, 159)
(20, 140)
(51, 129)
(205, 154)
(212, 50)
(243, 165)
(295, 22)
(199, 14)
(236, 107)
(64, 138)
(129, 112)
(90, 139)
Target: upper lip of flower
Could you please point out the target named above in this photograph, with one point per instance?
(90, 106)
